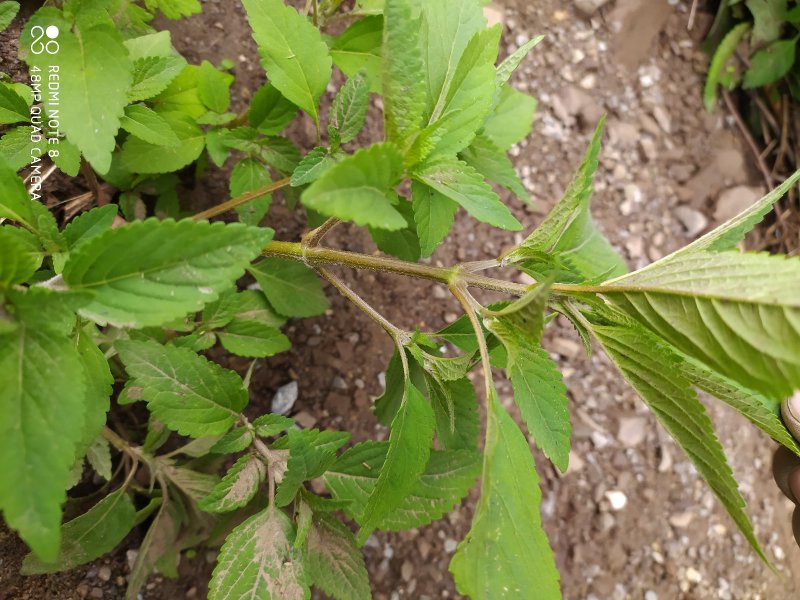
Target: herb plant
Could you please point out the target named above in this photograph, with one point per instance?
(96, 317)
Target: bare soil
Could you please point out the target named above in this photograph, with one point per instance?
(664, 171)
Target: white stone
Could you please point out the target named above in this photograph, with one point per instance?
(693, 220)
(284, 398)
(616, 499)
(734, 200)
(693, 575)
(632, 431)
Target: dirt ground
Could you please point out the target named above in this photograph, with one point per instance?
(668, 172)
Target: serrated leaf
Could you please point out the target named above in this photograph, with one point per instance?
(141, 156)
(511, 119)
(99, 457)
(407, 455)
(770, 64)
(152, 75)
(38, 436)
(403, 243)
(161, 269)
(258, 561)
(148, 126)
(249, 175)
(280, 153)
(461, 183)
(182, 95)
(95, 77)
(186, 392)
(654, 371)
(292, 51)
(491, 162)
(176, 9)
(13, 108)
(355, 189)
(359, 47)
(158, 44)
(99, 384)
(18, 263)
(89, 224)
(68, 158)
(434, 214)
(253, 339)
(768, 18)
(88, 536)
(235, 440)
(310, 455)
(456, 408)
(8, 10)
(335, 564)
(403, 88)
(311, 168)
(506, 553)
(213, 87)
(272, 424)
(446, 479)
(349, 109)
(238, 487)
(15, 203)
(506, 68)
(569, 232)
(270, 112)
(706, 306)
(292, 288)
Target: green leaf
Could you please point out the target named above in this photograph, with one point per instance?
(99, 384)
(511, 120)
(291, 287)
(334, 563)
(446, 479)
(89, 224)
(403, 243)
(160, 537)
(406, 457)
(271, 424)
(37, 435)
(142, 156)
(176, 9)
(99, 457)
(280, 153)
(349, 109)
(249, 175)
(158, 44)
(18, 263)
(768, 17)
(506, 68)
(15, 203)
(569, 232)
(270, 112)
(310, 455)
(152, 75)
(160, 270)
(89, 536)
(706, 305)
(355, 189)
(68, 158)
(654, 371)
(434, 214)
(359, 48)
(292, 52)
(461, 183)
(213, 87)
(717, 69)
(258, 560)
(728, 235)
(771, 63)
(403, 88)
(238, 487)
(148, 126)
(506, 553)
(456, 408)
(186, 392)
(253, 339)
(311, 168)
(182, 95)
(95, 77)
(8, 10)
(13, 108)
(235, 440)
(491, 162)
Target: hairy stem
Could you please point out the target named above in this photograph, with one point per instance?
(314, 237)
(462, 295)
(243, 199)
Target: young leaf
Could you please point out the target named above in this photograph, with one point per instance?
(18, 264)
(38, 436)
(270, 112)
(456, 408)
(356, 188)
(568, 231)
(89, 224)
(434, 214)
(349, 108)
(148, 126)
(271, 424)
(161, 269)
(142, 156)
(213, 87)
(403, 88)
(309, 456)
(186, 392)
(249, 175)
(253, 339)
(235, 440)
(359, 48)
(88, 536)
(292, 52)
(506, 68)
(491, 162)
(15, 202)
(13, 108)
(152, 75)
(460, 182)
(334, 563)
(99, 457)
(408, 453)
(446, 479)
(311, 168)
(238, 487)
(506, 553)
(291, 287)
(654, 371)
(770, 64)
(722, 54)
(257, 560)
(511, 120)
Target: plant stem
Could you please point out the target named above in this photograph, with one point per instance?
(314, 237)
(238, 201)
(466, 300)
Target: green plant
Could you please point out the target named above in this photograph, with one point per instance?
(95, 318)
(767, 33)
